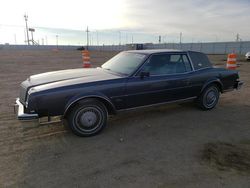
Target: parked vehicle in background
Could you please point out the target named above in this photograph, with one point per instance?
(248, 56)
(131, 79)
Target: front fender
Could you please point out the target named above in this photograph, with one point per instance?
(107, 102)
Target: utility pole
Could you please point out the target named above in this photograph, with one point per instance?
(25, 36)
(90, 40)
(159, 39)
(27, 30)
(180, 37)
(164, 39)
(97, 38)
(237, 37)
(119, 38)
(56, 41)
(32, 38)
(216, 38)
(15, 38)
(87, 31)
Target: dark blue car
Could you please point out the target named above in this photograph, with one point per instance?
(131, 79)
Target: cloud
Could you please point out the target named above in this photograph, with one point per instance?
(145, 20)
(195, 18)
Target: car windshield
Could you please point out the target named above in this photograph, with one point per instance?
(124, 63)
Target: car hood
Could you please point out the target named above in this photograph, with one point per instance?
(69, 77)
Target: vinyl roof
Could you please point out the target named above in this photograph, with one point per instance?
(154, 51)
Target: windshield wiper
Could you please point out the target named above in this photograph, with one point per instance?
(108, 69)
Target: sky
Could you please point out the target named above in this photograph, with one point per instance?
(125, 21)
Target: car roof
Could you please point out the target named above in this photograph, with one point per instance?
(152, 51)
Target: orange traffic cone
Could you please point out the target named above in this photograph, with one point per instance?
(86, 59)
(231, 61)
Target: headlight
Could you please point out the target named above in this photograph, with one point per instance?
(26, 104)
(27, 100)
(31, 90)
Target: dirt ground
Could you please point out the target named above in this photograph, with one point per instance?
(155, 147)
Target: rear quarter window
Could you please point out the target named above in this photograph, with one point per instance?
(199, 60)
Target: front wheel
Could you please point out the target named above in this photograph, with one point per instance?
(209, 98)
(88, 117)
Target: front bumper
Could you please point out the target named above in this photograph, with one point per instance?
(20, 112)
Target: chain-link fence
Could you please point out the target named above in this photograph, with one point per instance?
(208, 48)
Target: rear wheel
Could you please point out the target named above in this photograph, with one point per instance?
(209, 98)
(88, 117)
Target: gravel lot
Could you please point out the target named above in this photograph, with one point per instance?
(155, 147)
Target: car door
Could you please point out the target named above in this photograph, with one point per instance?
(167, 80)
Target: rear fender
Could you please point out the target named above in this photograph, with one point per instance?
(213, 81)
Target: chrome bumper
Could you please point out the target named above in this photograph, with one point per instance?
(20, 112)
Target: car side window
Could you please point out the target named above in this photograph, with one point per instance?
(199, 60)
(164, 64)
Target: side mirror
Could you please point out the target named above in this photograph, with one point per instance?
(144, 74)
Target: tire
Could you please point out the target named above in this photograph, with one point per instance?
(88, 118)
(209, 98)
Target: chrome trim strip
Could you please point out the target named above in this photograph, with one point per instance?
(21, 115)
(175, 74)
(203, 69)
(149, 92)
(158, 104)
